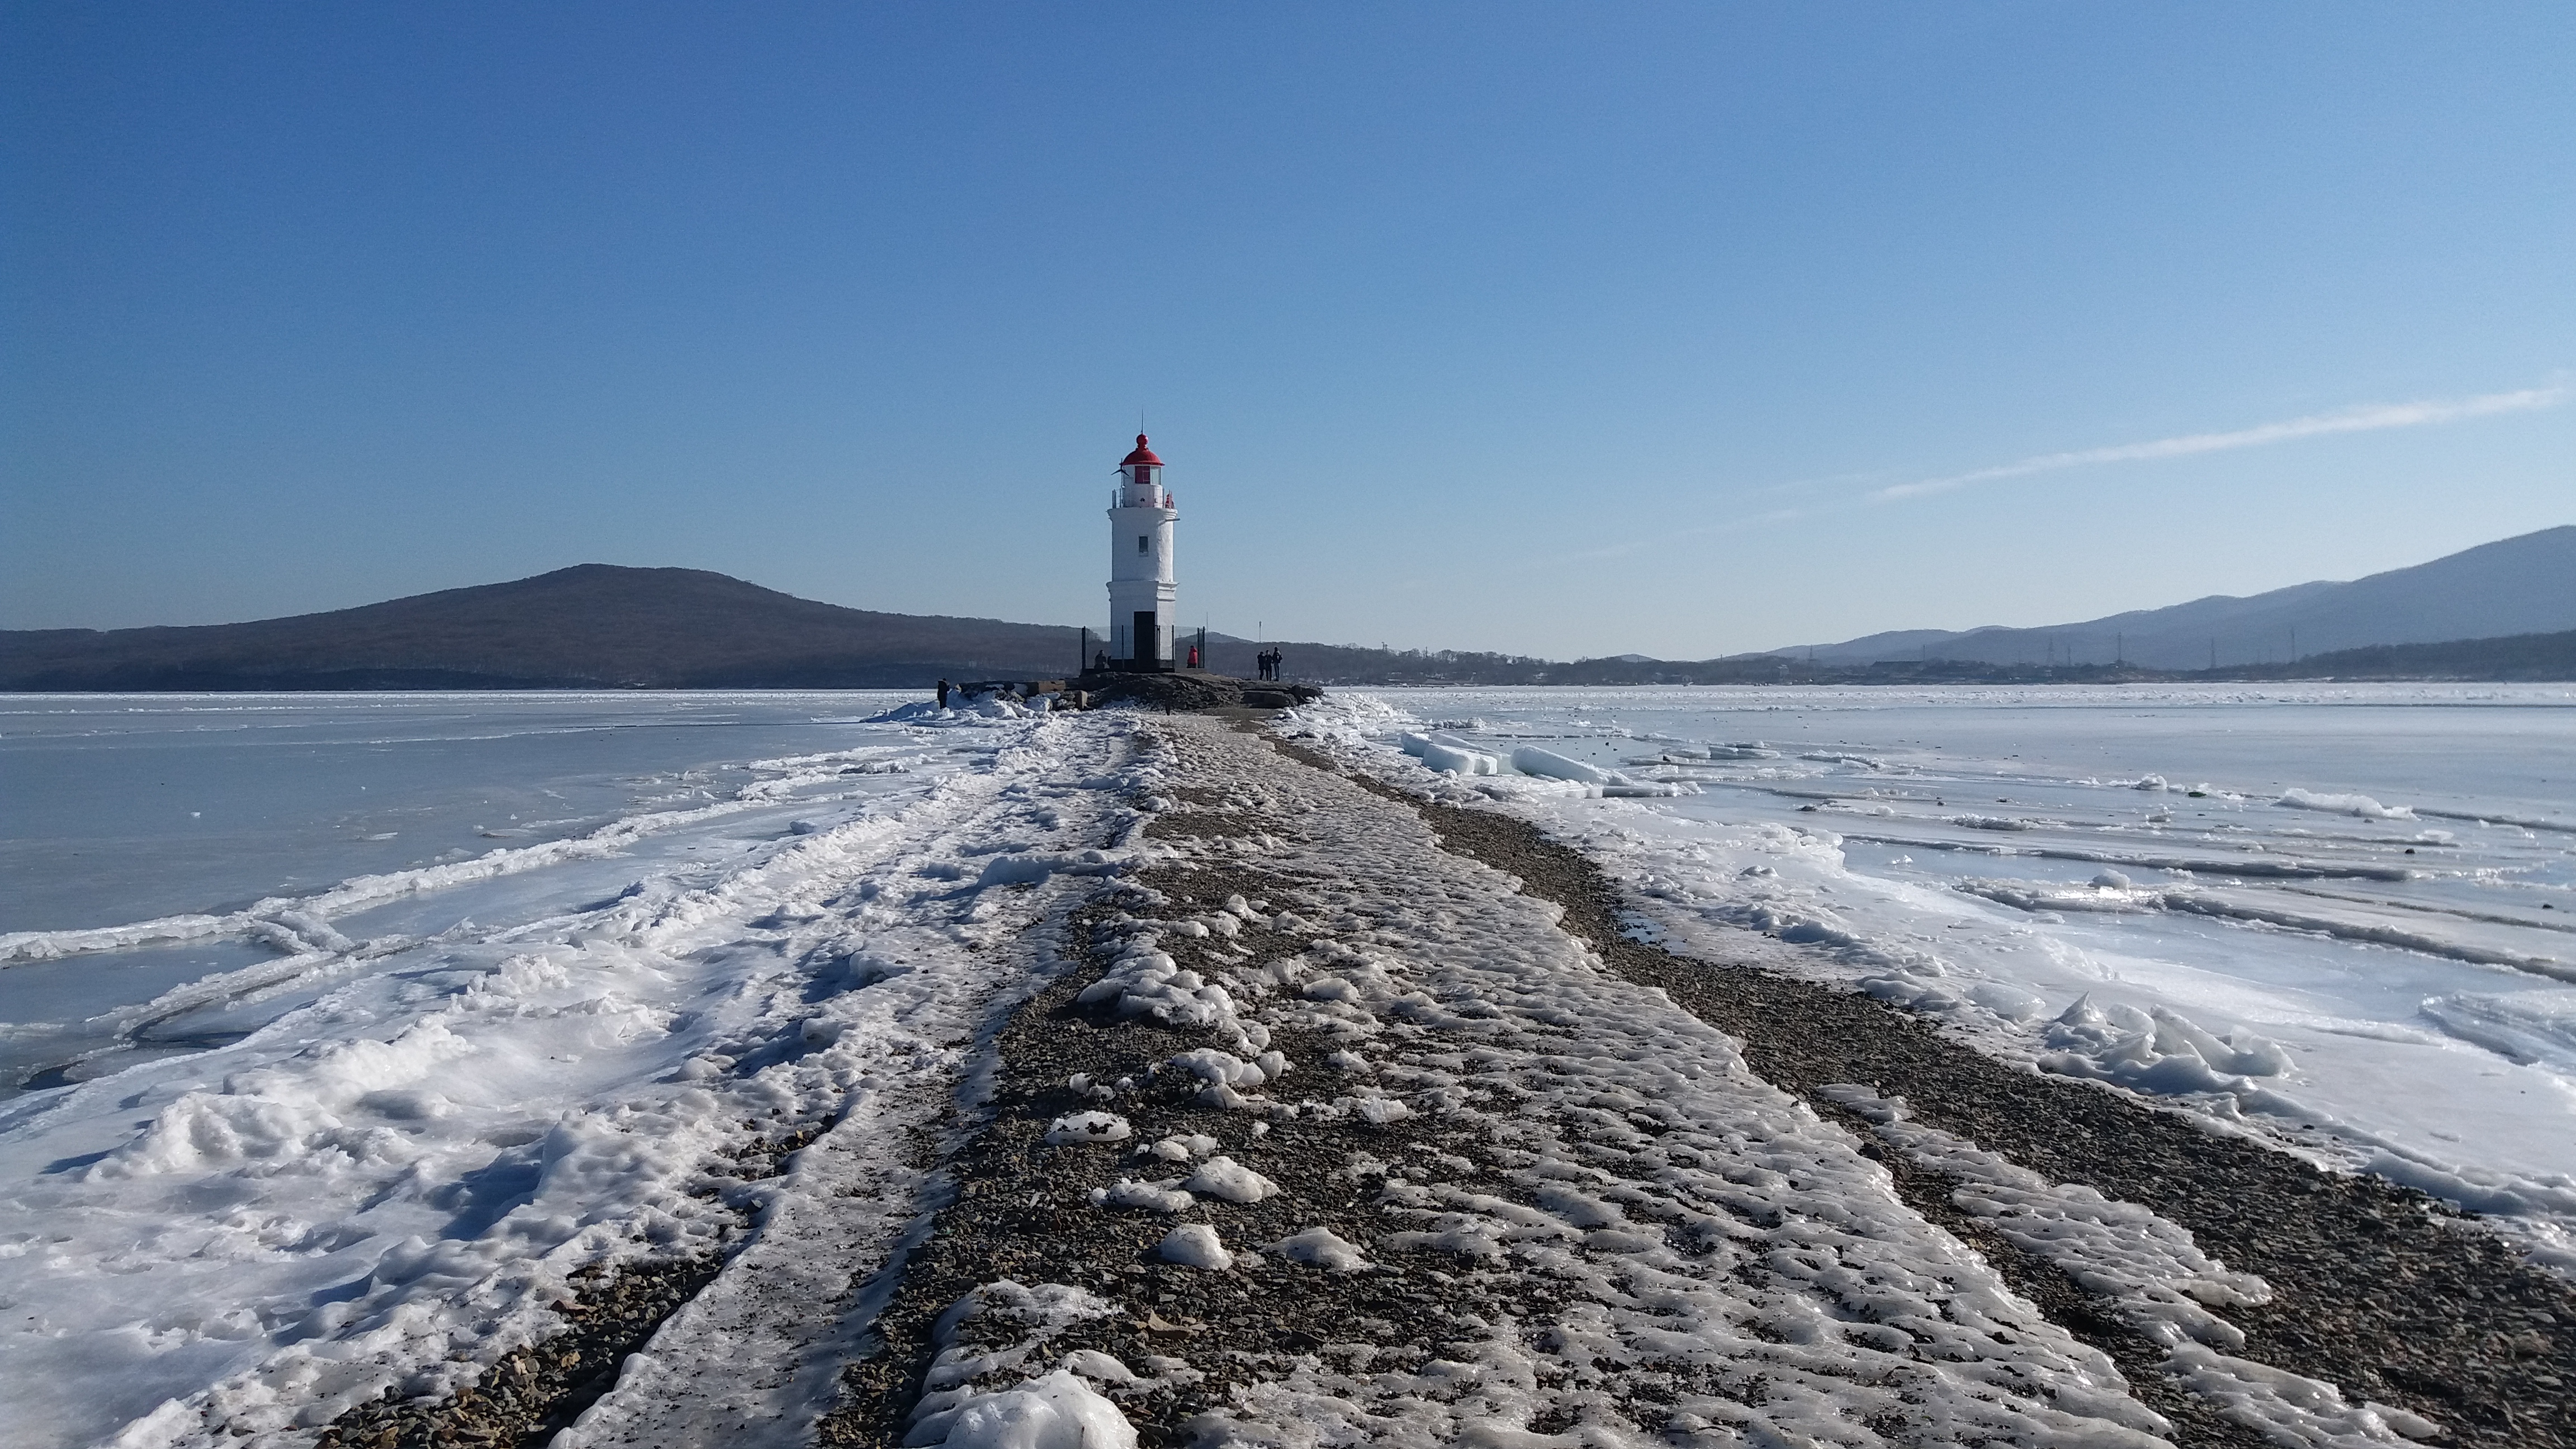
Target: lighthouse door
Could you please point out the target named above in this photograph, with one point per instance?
(1149, 636)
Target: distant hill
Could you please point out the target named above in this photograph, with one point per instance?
(600, 626)
(2520, 656)
(2524, 585)
(592, 626)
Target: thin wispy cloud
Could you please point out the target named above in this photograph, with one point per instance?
(2369, 417)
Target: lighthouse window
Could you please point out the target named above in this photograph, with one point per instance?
(1140, 543)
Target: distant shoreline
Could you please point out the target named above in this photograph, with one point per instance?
(2513, 659)
(595, 627)
(1936, 673)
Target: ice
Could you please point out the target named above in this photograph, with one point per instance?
(1194, 1245)
(2280, 942)
(1992, 822)
(1459, 761)
(2523, 1026)
(396, 1076)
(1531, 760)
(411, 1143)
(2164, 1051)
(593, 796)
(2361, 805)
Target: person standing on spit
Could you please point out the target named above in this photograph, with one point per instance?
(943, 694)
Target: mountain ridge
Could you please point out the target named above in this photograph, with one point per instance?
(587, 626)
(2506, 609)
(2520, 585)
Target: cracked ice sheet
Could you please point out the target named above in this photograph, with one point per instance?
(1722, 1264)
(389, 1186)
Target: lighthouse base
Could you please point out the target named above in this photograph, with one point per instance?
(1190, 690)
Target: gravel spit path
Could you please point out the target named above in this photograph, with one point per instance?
(1360, 1122)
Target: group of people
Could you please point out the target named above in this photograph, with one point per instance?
(1269, 661)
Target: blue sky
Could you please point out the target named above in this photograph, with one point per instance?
(1559, 329)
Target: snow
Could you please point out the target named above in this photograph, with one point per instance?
(2119, 1250)
(361, 1133)
(1087, 1127)
(1681, 1210)
(1194, 1245)
(1132, 1194)
(1226, 1179)
(2286, 943)
(2153, 1274)
(979, 1393)
(426, 1110)
(1182, 1149)
(1058, 1411)
(1321, 1248)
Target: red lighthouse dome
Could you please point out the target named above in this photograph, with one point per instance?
(1142, 454)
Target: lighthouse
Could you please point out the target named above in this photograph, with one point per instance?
(1141, 617)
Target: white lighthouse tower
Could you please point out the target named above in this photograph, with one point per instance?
(1141, 617)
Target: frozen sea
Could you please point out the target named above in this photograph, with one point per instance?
(342, 1032)
(173, 860)
(2343, 916)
